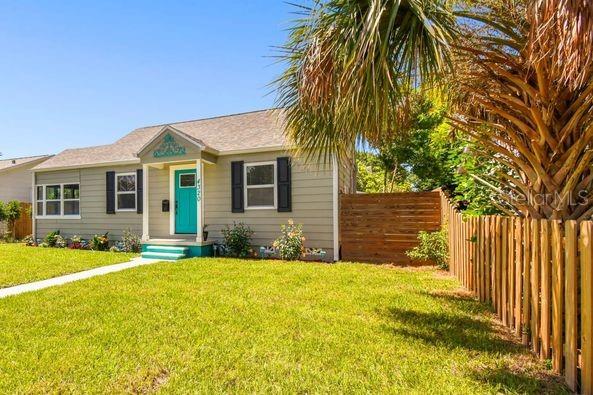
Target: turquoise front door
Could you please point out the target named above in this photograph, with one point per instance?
(186, 202)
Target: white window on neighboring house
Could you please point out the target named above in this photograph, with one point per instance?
(260, 185)
(125, 189)
(58, 200)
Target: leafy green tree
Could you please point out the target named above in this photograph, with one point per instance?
(417, 155)
(370, 173)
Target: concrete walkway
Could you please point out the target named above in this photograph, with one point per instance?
(68, 278)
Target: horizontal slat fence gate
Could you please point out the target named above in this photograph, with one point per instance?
(538, 276)
(381, 227)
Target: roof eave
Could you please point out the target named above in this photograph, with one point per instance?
(86, 166)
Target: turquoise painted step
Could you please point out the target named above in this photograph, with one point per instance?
(167, 249)
(169, 256)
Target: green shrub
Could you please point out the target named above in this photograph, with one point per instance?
(100, 242)
(238, 239)
(433, 247)
(290, 244)
(131, 242)
(50, 239)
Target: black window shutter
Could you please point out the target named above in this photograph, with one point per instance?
(237, 193)
(139, 191)
(284, 184)
(110, 188)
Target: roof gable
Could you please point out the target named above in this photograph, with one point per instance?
(170, 142)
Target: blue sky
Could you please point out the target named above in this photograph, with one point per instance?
(76, 74)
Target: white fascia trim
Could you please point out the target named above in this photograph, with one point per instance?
(335, 208)
(255, 150)
(98, 164)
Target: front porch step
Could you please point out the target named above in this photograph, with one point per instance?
(169, 253)
(167, 256)
(167, 249)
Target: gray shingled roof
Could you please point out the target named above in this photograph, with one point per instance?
(253, 130)
(6, 164)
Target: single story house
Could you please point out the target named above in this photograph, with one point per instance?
(15, 177)
(172, 183)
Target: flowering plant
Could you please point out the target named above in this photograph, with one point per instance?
(100, 242)
(291, 243)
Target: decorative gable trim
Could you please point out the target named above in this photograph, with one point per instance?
(171, 145)
(168, 148)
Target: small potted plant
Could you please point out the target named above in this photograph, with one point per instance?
(205, 233)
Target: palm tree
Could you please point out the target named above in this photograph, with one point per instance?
(526, 95)
(350, 63)
(523, 83)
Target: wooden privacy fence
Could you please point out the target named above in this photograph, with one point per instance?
(381, 227)
(538, 276)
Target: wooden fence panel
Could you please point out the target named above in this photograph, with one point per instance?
(382, 227)
(538, 276)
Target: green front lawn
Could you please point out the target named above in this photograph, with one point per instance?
(20, 264)
(215, 325)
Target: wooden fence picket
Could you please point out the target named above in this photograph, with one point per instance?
(586, 267)
(557, 297)
(546, 293)
(504, 254)
(518, 275)
(526, 282)
(570, 303)
(534, 280)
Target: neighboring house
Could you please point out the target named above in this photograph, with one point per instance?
(15, 177)
(167, 182)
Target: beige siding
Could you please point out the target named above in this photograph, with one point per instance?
(311, 202)
(158, 222)
(16, 185)
(347, 174)
(94, 219)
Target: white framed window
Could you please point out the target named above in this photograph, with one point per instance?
(260, 185)
(125, 192)
(58, 201)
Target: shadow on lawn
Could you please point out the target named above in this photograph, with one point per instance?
(464, 324)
